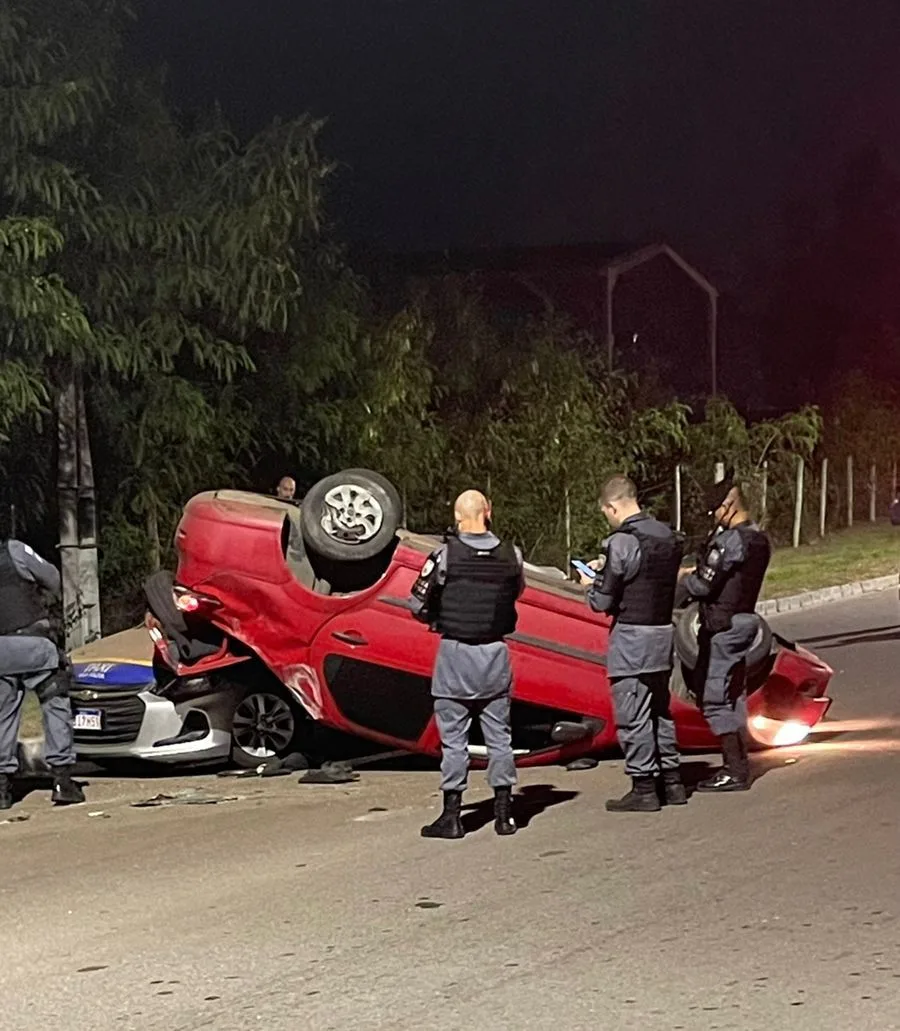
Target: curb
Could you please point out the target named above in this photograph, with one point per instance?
(813, 599)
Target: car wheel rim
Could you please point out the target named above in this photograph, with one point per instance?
(263, 725)
(351, 514)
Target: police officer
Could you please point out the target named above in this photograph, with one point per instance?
(727, 582)
(30, 660)
(636, 585)
(467, 591)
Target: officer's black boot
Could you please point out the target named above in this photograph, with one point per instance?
(449, 823)
(641, 799)
(503, 817)
(65, 790)
(673, 788)
(6, 798)
(735, 773)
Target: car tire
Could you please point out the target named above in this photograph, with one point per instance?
(350, 516)
(687, 647)
(266, 724)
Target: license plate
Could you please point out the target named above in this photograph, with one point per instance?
(88, 719)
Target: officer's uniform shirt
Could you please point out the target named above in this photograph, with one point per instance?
(20, 654)
(730, 544)
(468, 671)
(30, 566)
(633, 649)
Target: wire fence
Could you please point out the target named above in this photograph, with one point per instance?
(811, 499)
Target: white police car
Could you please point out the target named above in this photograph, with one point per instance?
(121, 713)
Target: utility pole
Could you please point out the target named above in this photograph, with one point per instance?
(77, 517)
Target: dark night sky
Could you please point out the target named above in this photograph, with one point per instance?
(479, 122)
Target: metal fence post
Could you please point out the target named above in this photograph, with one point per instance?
(798, 503)
(823, 497)
(873, 491)
(849, 490)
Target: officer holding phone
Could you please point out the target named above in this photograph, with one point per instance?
(727, 582)
(635, 582)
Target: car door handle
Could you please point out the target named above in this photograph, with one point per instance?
(349, 637)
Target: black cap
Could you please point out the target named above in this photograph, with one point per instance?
(716, 493)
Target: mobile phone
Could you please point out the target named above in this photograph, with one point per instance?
(584, 568)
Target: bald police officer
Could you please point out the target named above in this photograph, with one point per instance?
(727, 582)
(30, 660)
(467, 592)
(637, 587)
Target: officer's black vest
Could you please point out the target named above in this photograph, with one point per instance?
(478, 600)
(740, 590)
(649, 598)
(20, 600)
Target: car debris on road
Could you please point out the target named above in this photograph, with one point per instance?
(190, 796)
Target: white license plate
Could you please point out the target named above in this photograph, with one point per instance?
(88, 719)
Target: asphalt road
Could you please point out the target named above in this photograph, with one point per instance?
(322, 908)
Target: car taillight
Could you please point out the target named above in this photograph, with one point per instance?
(192, 602)
(778, 733)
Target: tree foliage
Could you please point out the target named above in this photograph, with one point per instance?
(56, 67)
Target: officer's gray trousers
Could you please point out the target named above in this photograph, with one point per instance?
(644, 724)
(454, 720)
(28, 663)
(724, 688)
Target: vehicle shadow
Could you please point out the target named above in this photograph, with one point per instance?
(852, 637)
(529, 802)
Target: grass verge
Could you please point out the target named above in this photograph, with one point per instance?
(861, 553)
(31, 717)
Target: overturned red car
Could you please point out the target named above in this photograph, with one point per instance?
(306, 604)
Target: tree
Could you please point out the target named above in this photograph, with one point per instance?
(56, 67)
(518, 411)
(159, 264)
(193, 267)
(764, 450)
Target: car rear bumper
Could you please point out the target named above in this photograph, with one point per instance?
(150, 721)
